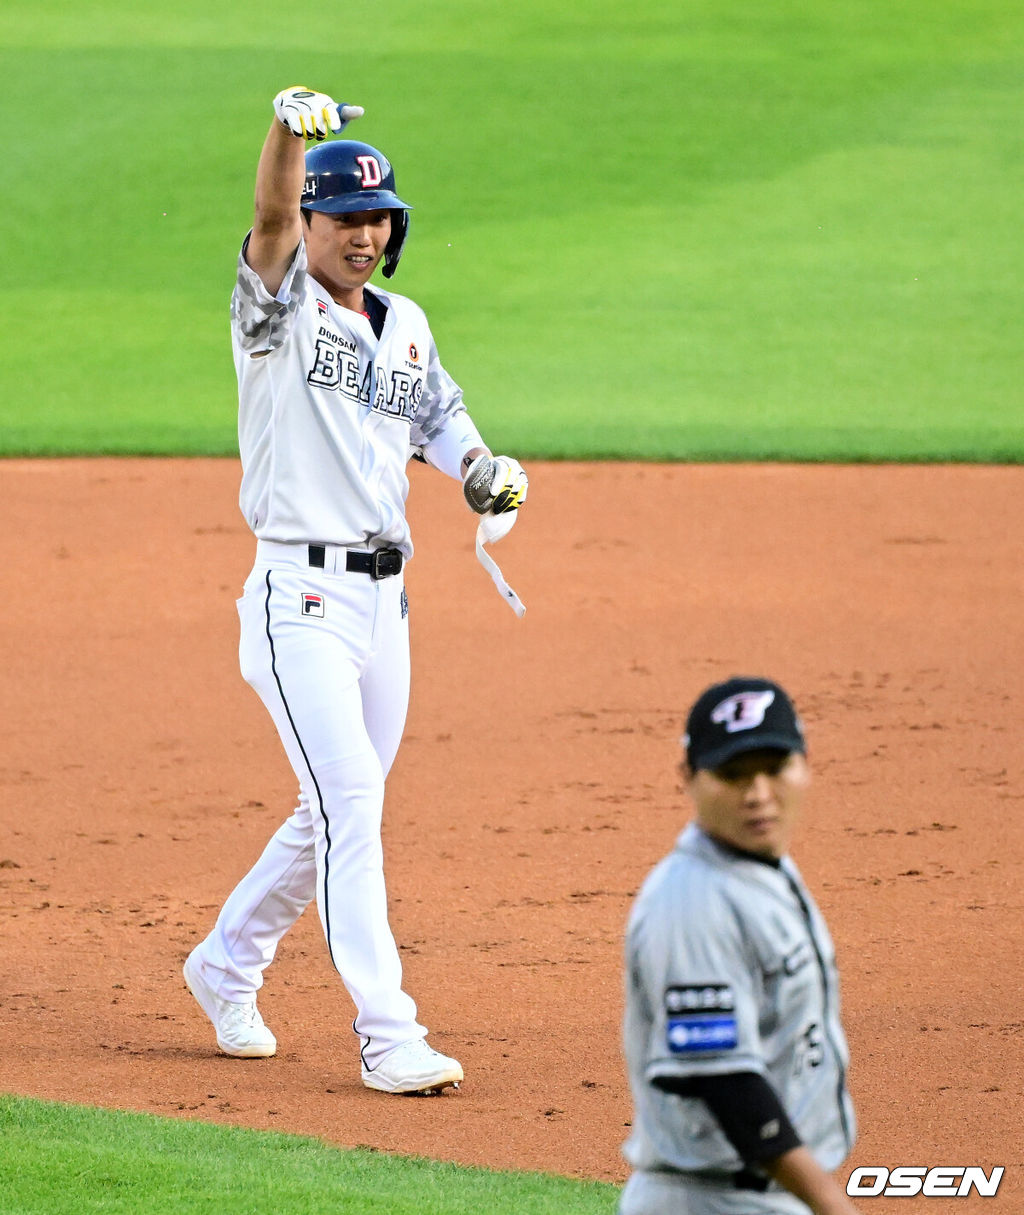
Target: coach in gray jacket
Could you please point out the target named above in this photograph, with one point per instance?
(736, 1056)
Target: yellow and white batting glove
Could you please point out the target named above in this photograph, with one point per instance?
(495, 484)
(312, 115)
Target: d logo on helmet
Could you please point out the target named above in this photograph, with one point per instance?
(370, 167)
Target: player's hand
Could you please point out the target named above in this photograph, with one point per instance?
(496, 484)
(310, 114)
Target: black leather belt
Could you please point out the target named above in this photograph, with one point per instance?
(747, 1179)
(382, 563)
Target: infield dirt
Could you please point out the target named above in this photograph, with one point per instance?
(535, 789)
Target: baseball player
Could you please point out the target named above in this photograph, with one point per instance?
(339, 383)
(734, 1048)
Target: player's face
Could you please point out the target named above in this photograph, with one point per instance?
(753, 801)
(344, 250)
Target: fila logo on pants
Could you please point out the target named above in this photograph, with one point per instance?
(312, 605)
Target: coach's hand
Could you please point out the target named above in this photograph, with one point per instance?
(496, 484)
(312, 115)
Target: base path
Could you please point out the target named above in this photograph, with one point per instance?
(140, 777)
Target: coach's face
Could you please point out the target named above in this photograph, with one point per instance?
(753, 801)
(344, 250)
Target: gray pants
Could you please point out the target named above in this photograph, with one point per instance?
(674, 1194)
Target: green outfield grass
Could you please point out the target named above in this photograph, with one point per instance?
(67, 1160)
(679, 229)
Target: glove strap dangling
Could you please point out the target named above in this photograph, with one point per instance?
(491, 529)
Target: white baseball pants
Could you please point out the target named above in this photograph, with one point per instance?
(328, 652)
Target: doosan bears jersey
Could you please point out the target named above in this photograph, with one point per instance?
(329, 414)
(730, 969)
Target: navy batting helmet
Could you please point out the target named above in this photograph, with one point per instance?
(343, 175)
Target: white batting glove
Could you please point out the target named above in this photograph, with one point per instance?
(310, 114)
(496, 484)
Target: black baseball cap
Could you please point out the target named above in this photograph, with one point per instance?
(741, 714)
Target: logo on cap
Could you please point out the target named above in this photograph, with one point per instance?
(744, 711)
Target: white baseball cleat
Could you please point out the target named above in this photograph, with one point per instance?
(239, 1026)
(413, 1067)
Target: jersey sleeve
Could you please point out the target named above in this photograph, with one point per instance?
(443, 429)
(261, 321)
(702, 987)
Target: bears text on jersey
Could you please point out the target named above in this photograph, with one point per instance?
(397, 396)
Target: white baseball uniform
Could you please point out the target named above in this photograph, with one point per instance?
(729, 968)
(329, 414)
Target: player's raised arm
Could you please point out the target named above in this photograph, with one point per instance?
(300, 114)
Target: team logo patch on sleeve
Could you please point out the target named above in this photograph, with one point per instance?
(700, 1019)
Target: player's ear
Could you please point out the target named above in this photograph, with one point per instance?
(802, 769)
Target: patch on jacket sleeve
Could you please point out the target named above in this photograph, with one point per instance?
(700, 1019)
